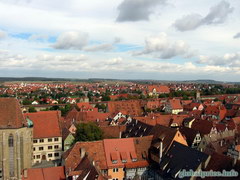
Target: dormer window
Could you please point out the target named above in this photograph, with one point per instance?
(133, 156)
(123, 157)
(114, 161)
(114, 157)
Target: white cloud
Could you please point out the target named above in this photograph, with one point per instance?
(99, 47)
(161, 47)
(114, 61)
(98, 20)
(137, 10)
(71, 40)
(103, 46)
(217, 15)
(2, 34)
(236, 36)
(228, 59)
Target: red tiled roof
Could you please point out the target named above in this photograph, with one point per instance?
(45, 124)
(175, 104)
(56, 173)
(159, 88)
(132, 107)
(116, 146)
(137, 164)
(113, 156)
(123, 155)
(203, 126)
(95, 150)
(112, 131)
(10, 114)
(84, 105)
(133, 155)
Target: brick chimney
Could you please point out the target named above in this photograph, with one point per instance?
(25, 174)
(82, 152)
(160, 150)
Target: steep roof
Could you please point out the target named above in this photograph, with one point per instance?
(142, 145)
(50, 173)
(175, 104)
(159, 88)
(112, 131)
(118, 150)
(10, 114)
(94, 149)
(136, 129)
(189, 133)
(166, 134)
(131, 107)
(45, 124)
(181, 157)
(203, 126)
(87, 170)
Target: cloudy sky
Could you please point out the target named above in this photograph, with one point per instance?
(125, 39)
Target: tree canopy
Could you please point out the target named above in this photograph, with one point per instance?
(88, 132)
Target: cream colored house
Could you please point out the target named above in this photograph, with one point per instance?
(47, 149)
(47, 138)
(173, 106)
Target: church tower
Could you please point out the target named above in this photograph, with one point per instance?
(15, 140)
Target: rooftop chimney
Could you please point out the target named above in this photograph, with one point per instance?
(25, 173)
(120, 134)
(160, 150)
(234, 161)
(82, 152)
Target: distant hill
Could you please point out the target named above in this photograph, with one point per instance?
(149, 81)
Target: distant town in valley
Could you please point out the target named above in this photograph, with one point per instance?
(113, 129)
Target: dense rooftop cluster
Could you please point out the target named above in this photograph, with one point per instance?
(141, 131)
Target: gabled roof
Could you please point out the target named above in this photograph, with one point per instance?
(181, 157)
(189, 133)
(87, 170)
(131, 107)
(136, 129)
(56, 173)
(159, 88)
(166, 134)
(142, 145)
(95, 150)
(10, 114)
(114, 148)
(218, 162)
(45, 124)
(175, 104)
(112, 131)
(203, 126)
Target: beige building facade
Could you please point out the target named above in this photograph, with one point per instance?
(48, 149)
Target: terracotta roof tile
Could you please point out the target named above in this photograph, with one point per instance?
(11, 114)
(45, 124)
(94, 149)
(175, 104)
(56, 173)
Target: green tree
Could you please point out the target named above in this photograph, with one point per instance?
(54, 108)
(88, 132)
(32, 109)
(106, 98)
(102, 107)
(65, 110)
(26, 102)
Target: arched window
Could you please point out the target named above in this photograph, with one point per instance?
(11, 155)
